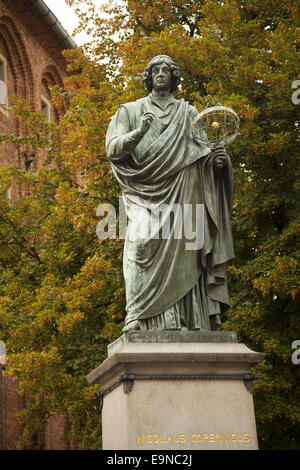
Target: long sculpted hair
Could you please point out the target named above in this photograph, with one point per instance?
(175, 71)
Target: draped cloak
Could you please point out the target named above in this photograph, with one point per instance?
(168, 166)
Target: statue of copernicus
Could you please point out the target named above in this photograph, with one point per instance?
(158, 163)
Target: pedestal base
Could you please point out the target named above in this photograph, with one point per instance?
(180, 394)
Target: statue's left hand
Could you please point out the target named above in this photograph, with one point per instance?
(220, 157)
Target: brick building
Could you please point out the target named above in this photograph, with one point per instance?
(31, 43)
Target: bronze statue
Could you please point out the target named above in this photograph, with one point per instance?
(157, 162)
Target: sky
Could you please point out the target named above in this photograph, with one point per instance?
(67, 17)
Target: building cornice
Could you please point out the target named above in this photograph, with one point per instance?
(51, 20)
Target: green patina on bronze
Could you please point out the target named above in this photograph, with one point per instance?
(157, 161)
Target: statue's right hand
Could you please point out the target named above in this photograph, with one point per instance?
(145, 123)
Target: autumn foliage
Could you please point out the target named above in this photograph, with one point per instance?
(61, 289)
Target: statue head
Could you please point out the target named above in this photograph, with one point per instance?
(174, 69)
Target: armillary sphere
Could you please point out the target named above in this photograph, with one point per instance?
(216, 125)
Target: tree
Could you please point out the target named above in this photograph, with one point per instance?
(61, 289)
(70, 299)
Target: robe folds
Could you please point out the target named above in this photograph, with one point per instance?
(168, 168)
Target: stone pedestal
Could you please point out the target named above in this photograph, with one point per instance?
(174, 390)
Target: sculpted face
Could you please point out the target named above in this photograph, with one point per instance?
(161, 76)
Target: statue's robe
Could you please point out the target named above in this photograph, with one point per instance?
(168, 285)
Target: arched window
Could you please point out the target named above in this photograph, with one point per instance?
(50, 78)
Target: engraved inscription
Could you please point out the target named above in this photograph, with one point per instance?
(193, 438)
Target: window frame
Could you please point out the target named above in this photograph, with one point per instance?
(46, 102)
(3, 62)
(7, 194)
